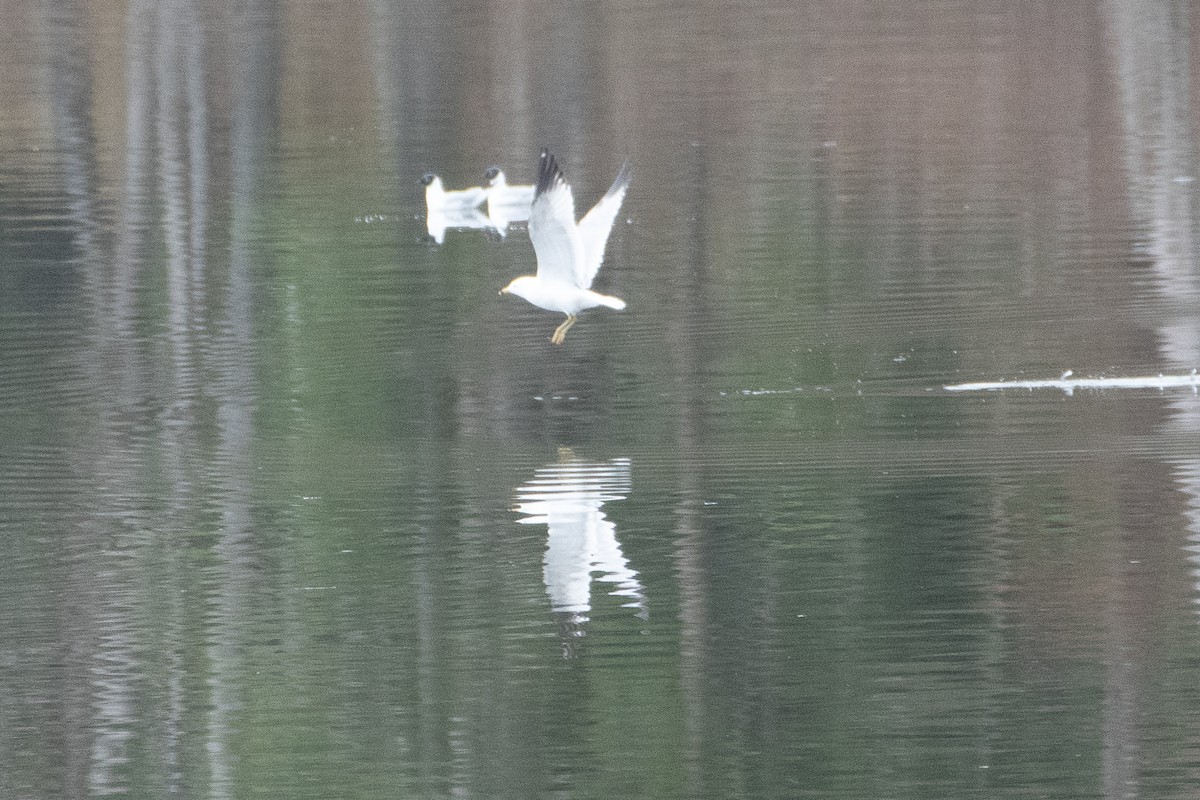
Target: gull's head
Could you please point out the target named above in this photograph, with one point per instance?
(494, 176)
(428, 178)
(520, 286)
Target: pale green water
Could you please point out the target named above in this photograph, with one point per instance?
(295, 505)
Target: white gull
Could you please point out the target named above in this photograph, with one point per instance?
(452, 209)
(438, 198)
(568, 253)
(501, 192)
(506, 202)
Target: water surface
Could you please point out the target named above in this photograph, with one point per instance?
(296, 505)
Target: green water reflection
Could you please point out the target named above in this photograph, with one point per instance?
(295, 505)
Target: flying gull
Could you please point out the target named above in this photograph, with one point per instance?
(568, 253)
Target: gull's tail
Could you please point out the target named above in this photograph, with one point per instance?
(610, 301)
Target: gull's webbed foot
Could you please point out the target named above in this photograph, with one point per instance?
(560, 333)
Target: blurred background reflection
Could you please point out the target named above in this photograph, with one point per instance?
(260, 435)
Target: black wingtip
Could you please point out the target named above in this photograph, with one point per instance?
(624, 176)
(491, 172)
(548, 173)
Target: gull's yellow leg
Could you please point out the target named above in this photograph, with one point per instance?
(560, 332)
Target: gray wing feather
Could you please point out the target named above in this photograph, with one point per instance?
(596, 225)
(552, 224)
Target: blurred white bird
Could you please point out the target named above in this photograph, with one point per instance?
(500, 192)
(452, 209)
(506, 203)
(437, 198)
(568, 253)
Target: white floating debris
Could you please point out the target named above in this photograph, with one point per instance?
(1068, 384)
(763, 392)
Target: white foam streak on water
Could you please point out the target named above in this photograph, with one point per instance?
(1069, 385)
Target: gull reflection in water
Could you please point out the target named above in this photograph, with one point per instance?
(567, 498)
(438, 221)
(501, 216)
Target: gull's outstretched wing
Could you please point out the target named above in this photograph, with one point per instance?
(595, 227)
(552, 225)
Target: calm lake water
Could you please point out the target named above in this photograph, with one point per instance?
(293, 504)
